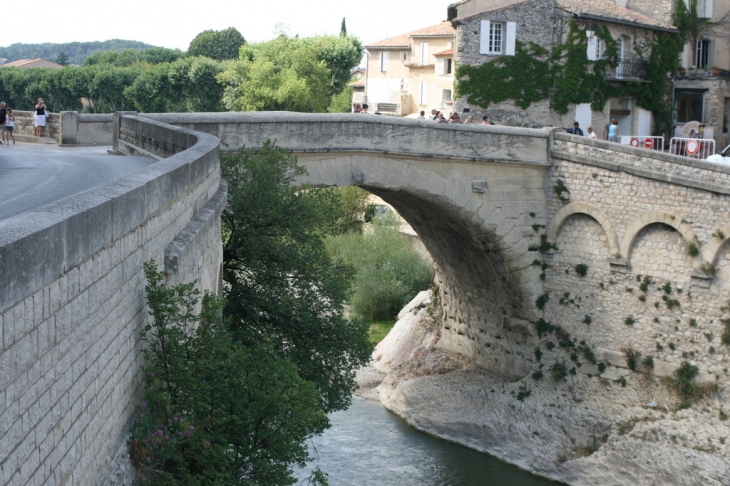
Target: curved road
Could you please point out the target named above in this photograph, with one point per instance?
(32, 175)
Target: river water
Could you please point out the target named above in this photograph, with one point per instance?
(369, 446)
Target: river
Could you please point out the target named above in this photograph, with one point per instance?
(369, 446)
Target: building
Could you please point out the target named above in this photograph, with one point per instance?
(33, 63)
(411, 72)
(487, 30)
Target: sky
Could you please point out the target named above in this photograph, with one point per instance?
(174, 24)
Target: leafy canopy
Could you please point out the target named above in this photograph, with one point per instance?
(283, 289)
(290, 74)
(217, 44)
(214, 411)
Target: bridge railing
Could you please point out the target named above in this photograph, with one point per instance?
(696, 148)
(644, 141)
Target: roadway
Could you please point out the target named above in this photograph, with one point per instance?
(32, 175)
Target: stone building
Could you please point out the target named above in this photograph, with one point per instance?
(411, 72)
(484, 33)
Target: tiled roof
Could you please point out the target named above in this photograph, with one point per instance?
(444, 29)
(599, 10)
(36, 63)
(605, 9)
(447, 52)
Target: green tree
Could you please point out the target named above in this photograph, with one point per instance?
(214, 411)
(220, 45)
(343, 28)
(290, 73)
(283, 289)
(62, 59)
(389, 271)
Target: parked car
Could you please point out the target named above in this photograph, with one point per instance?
(721, 158)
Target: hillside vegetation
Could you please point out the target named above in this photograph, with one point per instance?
(77, 52)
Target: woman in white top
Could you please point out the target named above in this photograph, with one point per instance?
(591, 133)
(9, 126)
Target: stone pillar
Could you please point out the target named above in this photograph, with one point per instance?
(69, 128)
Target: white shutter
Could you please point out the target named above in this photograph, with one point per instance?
(424, 54)
(583, 115)
(511, 34)
(384, 61)
(705, 8)
(440, 67)
(484, 38)
(687, 4)
(686, 56)
(591, 49)
(423, 95)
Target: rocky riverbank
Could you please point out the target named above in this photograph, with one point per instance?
(584, 430)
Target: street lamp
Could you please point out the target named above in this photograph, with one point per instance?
(590, 31)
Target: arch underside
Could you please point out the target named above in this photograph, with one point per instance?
(479, 248)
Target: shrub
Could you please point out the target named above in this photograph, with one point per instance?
(538, 354)
(601, 367)
(587, 319)
(388, 271)
(693, 249)
(588, 353)
(683, 383)
(709, 268)
(523, 394)
(725, 338)
(537, 375)
(581, 269)
(629, 321)
(559, 371)
(560, 187)
(542, 301)
(648, 362)
(632, 358)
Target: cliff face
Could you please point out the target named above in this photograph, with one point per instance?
(581, 429)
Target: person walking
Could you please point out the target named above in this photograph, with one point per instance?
(9, 126)
(591, 132)
(40, 117)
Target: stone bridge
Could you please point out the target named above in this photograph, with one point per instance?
(488, 203)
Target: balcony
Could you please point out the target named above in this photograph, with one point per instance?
(629, 70)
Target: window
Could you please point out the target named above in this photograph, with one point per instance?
(423, 95)
(497, 38)
(424, 54)
(594, 50)
(690, 107)
(444, 66)
(703, 53)
(404, 57)
(445, 97)
(704, 9)
(383, 61)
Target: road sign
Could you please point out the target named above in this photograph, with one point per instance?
(634, 142)
(692, 146)
(648, 143)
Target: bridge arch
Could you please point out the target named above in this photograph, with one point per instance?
(478, 238)
(653, 217)
(588, 209)
(710, 251)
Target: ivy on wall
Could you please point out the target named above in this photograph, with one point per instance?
(565, 76)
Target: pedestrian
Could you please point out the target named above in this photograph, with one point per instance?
(356, 108)
(9, 126)
(470, 120)
(612, 131)
(575, 130)
(422, 116)
(364, 109)
(485, 120)
(591, 133)
(455, 118)
(40, 117)
(3, 112)
(440, 118)
(434, 114)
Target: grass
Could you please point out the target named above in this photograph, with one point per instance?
(379, 329)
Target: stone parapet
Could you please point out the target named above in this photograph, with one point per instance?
(72, 305)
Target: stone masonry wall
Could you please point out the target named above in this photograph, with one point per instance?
(677, 316)
(72, 304)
